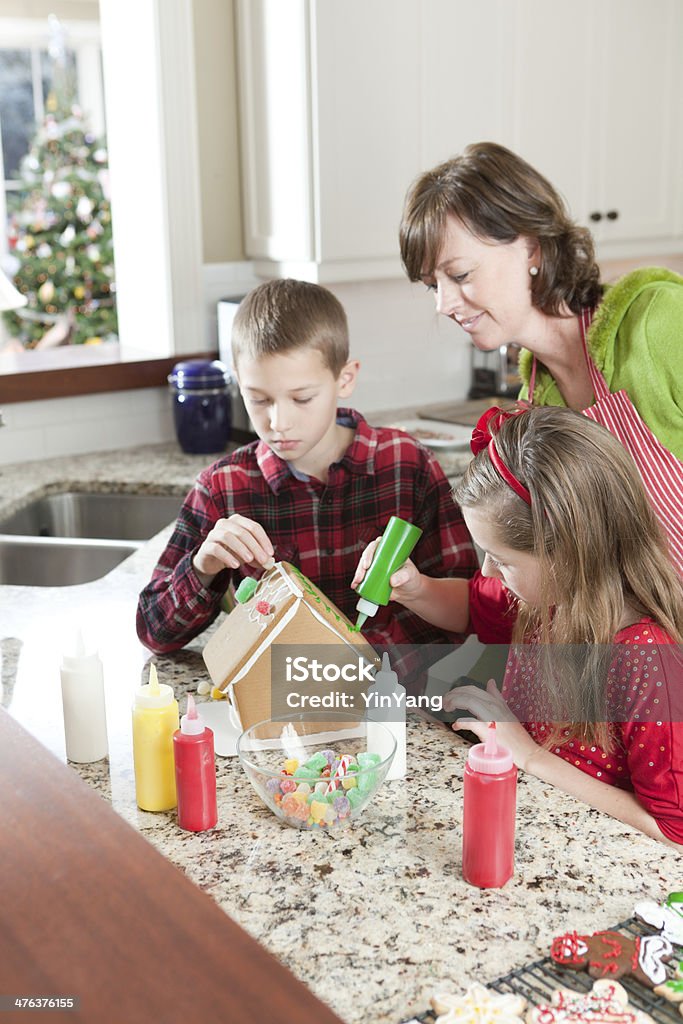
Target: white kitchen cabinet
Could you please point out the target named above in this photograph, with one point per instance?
(343, 104)
(597, 89)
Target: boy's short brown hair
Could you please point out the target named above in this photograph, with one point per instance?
(282, 315)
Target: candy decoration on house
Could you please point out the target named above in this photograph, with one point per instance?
(246, 589)
(60, 225)
(610, 954)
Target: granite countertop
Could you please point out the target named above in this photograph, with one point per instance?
(372, 918)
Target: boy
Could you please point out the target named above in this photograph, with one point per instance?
(317, 487)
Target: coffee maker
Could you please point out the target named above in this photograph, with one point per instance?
(494, 373)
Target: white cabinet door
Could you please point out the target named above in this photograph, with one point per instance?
(465, 58)
(553, 105)
(366, 125)
(638, 94)
(597, 89)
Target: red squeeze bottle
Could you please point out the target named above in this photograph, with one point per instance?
(195, 772)
(489, 804)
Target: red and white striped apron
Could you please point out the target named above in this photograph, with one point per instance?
(660, 470)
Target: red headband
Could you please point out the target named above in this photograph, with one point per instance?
(482, 438)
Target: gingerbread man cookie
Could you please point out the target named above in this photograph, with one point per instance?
(479, 1005)
(667, 918)
(612, 955)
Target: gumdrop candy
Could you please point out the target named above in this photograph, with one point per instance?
(272, 786)
(330, 755)
(287, 785)
(291, 765)
(355, 797)
(317, 810)
(317, 762)
(246, 589)
(342, 806)
(264, 607)
(349, 782)
(304, 788)
(290, 805)
(330, 815)
(367, 760)
(367, 781)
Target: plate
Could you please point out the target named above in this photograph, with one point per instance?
(436, 434)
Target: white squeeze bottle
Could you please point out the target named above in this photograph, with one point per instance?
(85, 720)
(387, 704)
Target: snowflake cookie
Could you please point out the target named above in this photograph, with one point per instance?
(479, 1005)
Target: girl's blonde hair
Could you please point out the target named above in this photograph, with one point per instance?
(599, 545)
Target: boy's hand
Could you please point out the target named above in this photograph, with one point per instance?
(406, 581)
(232, 542)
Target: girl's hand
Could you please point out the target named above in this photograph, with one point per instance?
(232, 542)
(406, 582)
(488, 706)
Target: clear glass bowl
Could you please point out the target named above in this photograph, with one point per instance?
(314, 771)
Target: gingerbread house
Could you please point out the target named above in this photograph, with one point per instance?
(259, 655)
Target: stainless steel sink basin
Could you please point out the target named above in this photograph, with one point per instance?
(109, 516)
(59, 562)
(75, 537)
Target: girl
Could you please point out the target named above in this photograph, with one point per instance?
(576, 574)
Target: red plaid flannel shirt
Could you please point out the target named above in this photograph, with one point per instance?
(321, 528)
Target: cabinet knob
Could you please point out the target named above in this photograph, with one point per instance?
(612, 214)
(596, 215)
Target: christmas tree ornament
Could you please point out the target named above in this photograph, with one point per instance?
(46, 292)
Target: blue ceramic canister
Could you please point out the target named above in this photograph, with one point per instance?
(201, 405)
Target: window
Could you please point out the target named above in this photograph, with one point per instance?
(25, 81)
(27, 76)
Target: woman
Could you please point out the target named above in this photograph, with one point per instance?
(494, 240)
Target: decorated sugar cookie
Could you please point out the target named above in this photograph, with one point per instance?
(606, 1003)
(666, 917)
(479, 1005)
(612, 955)
(672, 989)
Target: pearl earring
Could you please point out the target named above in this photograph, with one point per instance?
(533, 271)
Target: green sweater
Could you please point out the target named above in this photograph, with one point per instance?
(636, 341)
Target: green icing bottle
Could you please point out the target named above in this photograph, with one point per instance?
(396, 545)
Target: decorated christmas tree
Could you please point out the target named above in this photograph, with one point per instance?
(60, 230)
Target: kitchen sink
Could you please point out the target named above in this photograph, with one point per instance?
(75, 537)
(59, 561)
(107, 516)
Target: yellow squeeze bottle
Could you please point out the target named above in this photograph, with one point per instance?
(155, 719)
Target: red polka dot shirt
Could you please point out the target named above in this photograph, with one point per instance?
(644, 695)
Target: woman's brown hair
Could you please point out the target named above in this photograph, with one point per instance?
(499, 196)
(598, 541)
